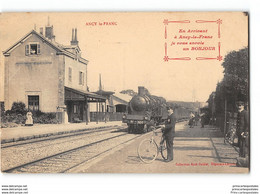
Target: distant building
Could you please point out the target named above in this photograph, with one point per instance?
(48, 76)
(121, 101)
(115, 102)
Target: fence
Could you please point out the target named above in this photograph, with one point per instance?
(105, 116)
(231, 119)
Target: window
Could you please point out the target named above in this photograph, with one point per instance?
(33, 103)
(81, 78)
(70, 74)
(75, 108)
(32, 49)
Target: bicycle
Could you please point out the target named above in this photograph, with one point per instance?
(231, 136)
(148, 149)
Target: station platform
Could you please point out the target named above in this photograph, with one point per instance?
(45, 130)
(196, 150)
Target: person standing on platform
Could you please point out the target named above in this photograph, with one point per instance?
(242, 128)
(29, 119)
(169, 132)
(243, 134)
(192, 120)
(202, 120)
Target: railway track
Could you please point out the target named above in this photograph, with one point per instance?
(63, 153)
(51, 138)
(67, 160)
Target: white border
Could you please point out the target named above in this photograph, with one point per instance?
(149, 183)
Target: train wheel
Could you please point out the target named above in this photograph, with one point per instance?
(147, 150)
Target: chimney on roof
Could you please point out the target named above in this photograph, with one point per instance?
(76, 35)
(49, 31)
(41, 30)
(74, 40)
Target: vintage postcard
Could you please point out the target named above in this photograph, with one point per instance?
(125, 92)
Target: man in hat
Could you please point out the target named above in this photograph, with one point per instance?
(169, 132)
(242, 130)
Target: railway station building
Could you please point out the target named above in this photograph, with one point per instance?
(48, 76)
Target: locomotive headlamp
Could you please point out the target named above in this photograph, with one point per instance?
(146, 118)
(124, 116)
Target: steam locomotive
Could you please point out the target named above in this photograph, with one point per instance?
(145, 111)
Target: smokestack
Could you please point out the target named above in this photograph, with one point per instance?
(141, 91)
(100, 85)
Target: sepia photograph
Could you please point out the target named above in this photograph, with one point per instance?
(125, 92)
(91, 100)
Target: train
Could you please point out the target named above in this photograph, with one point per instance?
(146, 111)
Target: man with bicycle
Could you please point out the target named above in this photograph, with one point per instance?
(168, 133)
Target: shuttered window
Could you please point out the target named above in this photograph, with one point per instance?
(27, 50)
(38, 49)
(32, 49)
(81, 78)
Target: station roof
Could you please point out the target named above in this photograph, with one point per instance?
(81, 95)
(121, 98)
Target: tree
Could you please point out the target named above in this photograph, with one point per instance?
(129, 92)
(234, 85)
(236, 75)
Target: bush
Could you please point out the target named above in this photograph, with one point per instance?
(14, 118)
(18, 108)
(2, 109)
(17, 115)
(45, 118)
(38, 113)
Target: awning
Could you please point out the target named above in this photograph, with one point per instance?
(80, 95)
(117, 100)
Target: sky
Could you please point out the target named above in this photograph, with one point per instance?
(128, 49)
